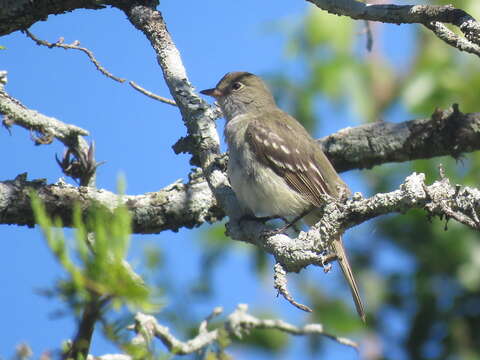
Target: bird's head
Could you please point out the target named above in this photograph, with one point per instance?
(241, 92)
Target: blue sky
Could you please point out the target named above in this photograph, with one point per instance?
(134, 135)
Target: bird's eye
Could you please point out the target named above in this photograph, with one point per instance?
(237, 86)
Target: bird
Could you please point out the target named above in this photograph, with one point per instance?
(275, 168)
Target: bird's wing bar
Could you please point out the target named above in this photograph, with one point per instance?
(293, 160)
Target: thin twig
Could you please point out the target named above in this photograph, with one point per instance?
(238, 323)
(74, 45)
(368, 31)
(241, 322)
(152, 95)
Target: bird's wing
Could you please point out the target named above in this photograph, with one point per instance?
(290, 151)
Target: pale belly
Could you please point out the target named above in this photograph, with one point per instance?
(264, 192)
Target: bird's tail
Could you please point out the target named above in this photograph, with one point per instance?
(347, 272)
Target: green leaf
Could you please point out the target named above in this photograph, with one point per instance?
(100, 246)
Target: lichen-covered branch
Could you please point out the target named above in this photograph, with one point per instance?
(311, 248)
(452, 39)
(446, 132)
(409, 14)
(21, 14)
(280, 283)
(178, 205)
(238, 324)
(359, 147)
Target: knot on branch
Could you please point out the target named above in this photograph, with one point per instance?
(240, 321)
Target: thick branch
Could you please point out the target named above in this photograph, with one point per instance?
(21, 14)
(406, 14)
(178, 205)
(447, 132)
(396, 14)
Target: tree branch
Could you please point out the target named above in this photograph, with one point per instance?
(82, 341)
(177, 205)
(151, 95)
(280, 283)
(21, 14)
(409, 14)
(446, 132)
(238, 324)
(401, 139)
(313, 247)
(366, 148)
(452, 39)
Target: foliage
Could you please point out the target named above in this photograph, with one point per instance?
(95, 265)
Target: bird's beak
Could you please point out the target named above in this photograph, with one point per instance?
(212, 92)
